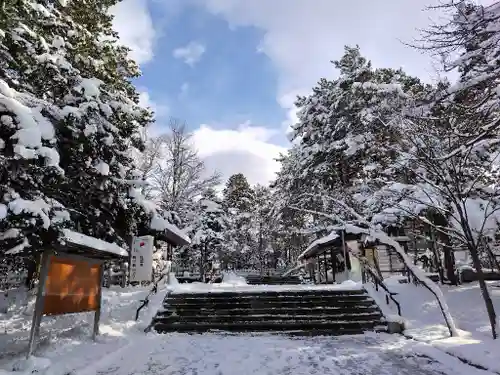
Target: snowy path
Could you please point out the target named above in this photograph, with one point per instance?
(212, 354)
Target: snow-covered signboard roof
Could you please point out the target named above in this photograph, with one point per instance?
(334, 239)
(174, 235)
(91, 246)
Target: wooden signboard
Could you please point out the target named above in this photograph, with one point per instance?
(68, 284)
(72, 286)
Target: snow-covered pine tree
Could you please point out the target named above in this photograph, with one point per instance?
(70, 116)
(102, 124)
(207, 231)
(346, 137)
(238, 194)
(238, 202)
(288, 224)
(30, 209)
(263, 255)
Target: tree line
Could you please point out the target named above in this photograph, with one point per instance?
(230, 224)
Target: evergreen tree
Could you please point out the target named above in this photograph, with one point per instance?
(30, 213)
(69, 117)
(238, 194)
(288, 225)
(207, 231)
(347, 136)
(265, 255)
(238, 201)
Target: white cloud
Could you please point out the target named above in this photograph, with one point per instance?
(184, 89)
(191, 53)
(246, 150)
(134, 25)
(160, 110)
(301, 37)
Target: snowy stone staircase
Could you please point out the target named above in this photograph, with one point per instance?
(389, 262)
(301, 312)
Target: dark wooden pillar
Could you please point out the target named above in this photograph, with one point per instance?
(311, 271)
(334, 264)
(326, 267)
(347, 260)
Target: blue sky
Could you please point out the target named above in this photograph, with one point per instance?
(240, 63)
(230, 73)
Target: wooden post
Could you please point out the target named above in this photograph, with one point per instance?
(415, 244)
(334, 264)
(97, 314)
(318, 259)
(38, 312)
(344, 248)
(313, 270)
(326, 268)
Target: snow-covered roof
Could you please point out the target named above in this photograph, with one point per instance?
(334, 236)
(174, 234)
(80, 239)
(313, 247)
(177, 235)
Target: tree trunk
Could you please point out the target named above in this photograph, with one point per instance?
(449, 261)
(31, 264)
(493, 259)
(261, 250)
(202, 261)
(484, 290)
(449, 255)
(437, 258)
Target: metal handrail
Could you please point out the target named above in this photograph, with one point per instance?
(417, 281)
(153, 290)
(377, 281)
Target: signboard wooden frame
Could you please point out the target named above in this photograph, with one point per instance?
(71, 297)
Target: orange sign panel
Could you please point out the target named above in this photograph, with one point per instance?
(72, 286)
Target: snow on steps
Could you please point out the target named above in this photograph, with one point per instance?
(298, 310)
(272, 280)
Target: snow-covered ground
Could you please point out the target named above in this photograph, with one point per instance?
(425, 322)
(217, 354)
(65, 341)
(123, 348)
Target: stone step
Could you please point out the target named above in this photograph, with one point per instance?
(272, 293)
(243, 299)
(330, 311)
(335, 327)
(330, 332)
(270, 280)
(257, 304)
(268, 318)
(317, 310)
(277, 280)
